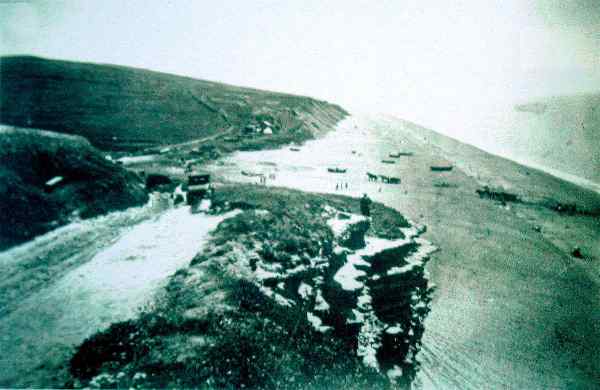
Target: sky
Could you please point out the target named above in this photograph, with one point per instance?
(422, 60)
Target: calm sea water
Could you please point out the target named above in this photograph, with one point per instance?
(563, 140)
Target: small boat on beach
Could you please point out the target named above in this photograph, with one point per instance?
(441, 168)
(388, 161)
(293, 149)
(336, 170)
(400, 154)
(252, 174)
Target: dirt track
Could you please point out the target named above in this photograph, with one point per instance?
(101, 271)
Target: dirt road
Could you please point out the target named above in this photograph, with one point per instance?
(101, 271)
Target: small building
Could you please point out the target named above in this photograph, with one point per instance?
(53, 183)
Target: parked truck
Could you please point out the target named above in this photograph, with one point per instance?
(198, 187)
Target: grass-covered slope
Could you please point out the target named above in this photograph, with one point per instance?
(117, 107)
(262, 306)
(90, 185)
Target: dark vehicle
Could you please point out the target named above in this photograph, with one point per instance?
(336, 170)
(198, 187)
(388, 161)
(155, 181)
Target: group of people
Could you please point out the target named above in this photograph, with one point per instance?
(365, 201)
(341, 186)
(262, 179)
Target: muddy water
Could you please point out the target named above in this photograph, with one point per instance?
(495, 314)
(112, 286)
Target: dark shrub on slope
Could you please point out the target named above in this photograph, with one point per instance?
(86, 185)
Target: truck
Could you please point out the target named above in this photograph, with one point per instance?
(198, 187)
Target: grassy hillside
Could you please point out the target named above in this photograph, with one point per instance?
(122, 108)
(90, 185)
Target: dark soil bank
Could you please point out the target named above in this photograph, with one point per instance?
(47, 178)
(264, 304)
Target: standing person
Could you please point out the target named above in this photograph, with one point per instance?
(365, 205)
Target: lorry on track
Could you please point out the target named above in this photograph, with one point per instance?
(198, 187)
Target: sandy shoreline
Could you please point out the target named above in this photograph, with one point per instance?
(510, 310)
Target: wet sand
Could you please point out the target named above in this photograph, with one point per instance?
(512, 308)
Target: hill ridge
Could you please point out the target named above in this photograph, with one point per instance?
(125, 108)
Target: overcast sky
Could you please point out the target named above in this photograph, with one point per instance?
(410, 58)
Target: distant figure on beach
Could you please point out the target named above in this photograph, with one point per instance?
(365, 205)
(346, 185)
(337, 186)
